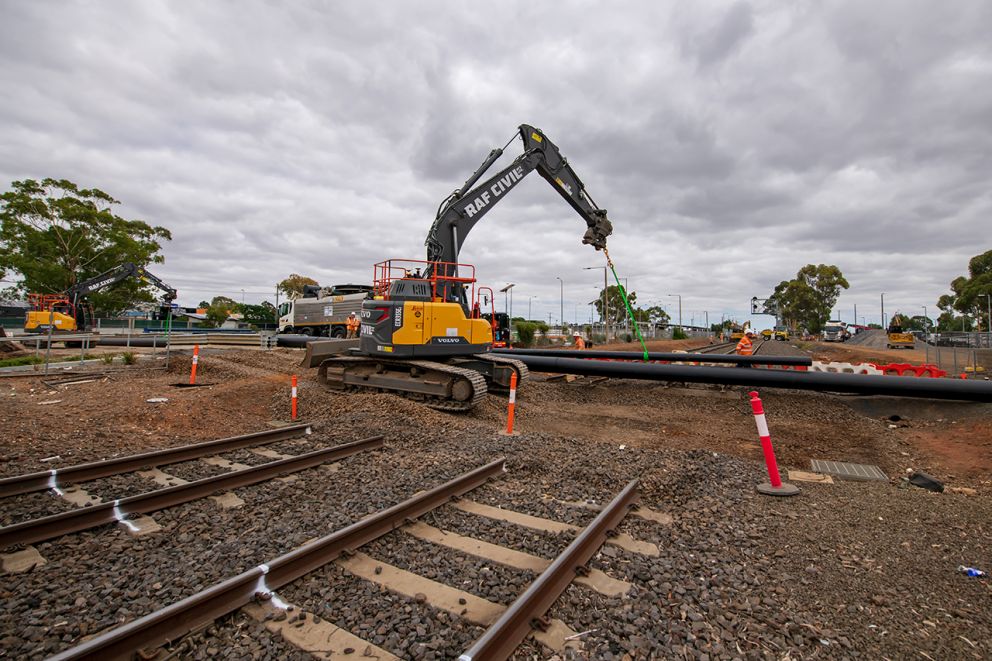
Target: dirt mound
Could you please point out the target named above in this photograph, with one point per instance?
(9, 348)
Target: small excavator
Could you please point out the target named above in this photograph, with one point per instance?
(70, 312)
(426, 332)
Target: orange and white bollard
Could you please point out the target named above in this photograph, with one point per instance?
(196, 359)
(294, 397)
(774, 486)
(513, 401)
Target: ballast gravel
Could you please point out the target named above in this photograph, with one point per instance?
(859, 571)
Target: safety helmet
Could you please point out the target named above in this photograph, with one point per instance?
(750, 332)
(576, 334)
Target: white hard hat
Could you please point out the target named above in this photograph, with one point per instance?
(576, 334)
(750, 331)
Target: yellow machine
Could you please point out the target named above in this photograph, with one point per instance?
(897, 339)
(737, 332)
(52, 310)
(71, 312)
(424, 334)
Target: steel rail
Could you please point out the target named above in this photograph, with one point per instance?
(183, 616)
(56, 477)
(36, 530)
(527, 611)
(721, 348)
(859, 384)
(635, 356)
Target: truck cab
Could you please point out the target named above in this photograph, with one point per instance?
(835, 331)
(322, 311)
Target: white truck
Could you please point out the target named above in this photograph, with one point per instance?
(835, 331)
(323, 311)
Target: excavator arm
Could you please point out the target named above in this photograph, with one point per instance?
(126, 270)
(467, 205)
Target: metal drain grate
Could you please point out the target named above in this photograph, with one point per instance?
(845, 471)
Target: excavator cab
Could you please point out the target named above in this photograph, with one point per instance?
(420, 309)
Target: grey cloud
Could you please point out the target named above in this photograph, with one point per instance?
(731, 143)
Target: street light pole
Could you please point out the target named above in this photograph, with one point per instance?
(529, 300)
(561, 301)
(883, 310)
(508, 310)
(926, 332)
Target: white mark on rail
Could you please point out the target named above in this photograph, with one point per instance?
(262, 588)
(53, 483)
(120, 517)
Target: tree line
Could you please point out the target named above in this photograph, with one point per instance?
(54, 233)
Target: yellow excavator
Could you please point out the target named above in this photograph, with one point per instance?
(70, 312)
(896, 337)
(737, 331)
(424, 331)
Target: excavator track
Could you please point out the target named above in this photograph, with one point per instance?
(465, 387)
(521, 368)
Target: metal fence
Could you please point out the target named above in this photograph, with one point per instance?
(964, 340)
(41, 345)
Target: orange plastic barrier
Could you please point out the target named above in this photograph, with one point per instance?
(905, 369)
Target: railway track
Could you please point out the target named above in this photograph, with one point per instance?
(502, 626)
(254, 591)
(91, 510)
(729, 348)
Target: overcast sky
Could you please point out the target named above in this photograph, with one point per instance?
(731, 142)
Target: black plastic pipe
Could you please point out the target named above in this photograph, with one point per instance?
(293, 340)
(671, 357)
(897, 386)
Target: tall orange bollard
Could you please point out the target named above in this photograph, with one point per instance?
(294, 397)
(513, 400)
(196, 359)
(775, 486)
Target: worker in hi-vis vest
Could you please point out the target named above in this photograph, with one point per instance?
(353, 325)
(746, 346)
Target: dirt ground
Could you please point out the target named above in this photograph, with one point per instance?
(235, 389)
(835, 559)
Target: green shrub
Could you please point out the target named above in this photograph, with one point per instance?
(525, 333)
(21, 360)
(679, 334)
(129, 357)
(108, 358)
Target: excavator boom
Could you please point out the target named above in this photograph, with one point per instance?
(465, 208)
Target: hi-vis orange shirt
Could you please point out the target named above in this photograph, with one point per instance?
(744, 346)
(353, 323)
